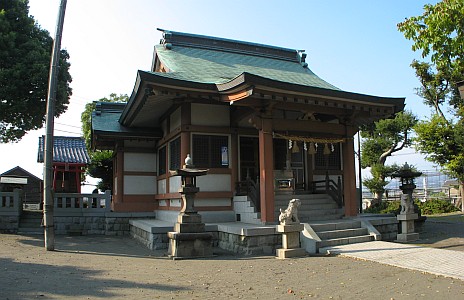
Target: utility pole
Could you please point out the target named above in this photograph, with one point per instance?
(49, 125)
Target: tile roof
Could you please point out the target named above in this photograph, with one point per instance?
(65, 150)
(212, 66)
(105, 119)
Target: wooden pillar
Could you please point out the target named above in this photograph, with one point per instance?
(118, 171)
(78, 178)
(55, 174)
(309, 171)
(186, 117)
(349, 179)
(266, 171)
(233, 163)
(185, 147)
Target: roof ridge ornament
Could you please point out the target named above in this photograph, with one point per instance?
(174, 38)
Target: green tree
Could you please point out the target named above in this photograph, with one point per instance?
(25, 54)
(438, 34)
(101, 165)
(380, 140)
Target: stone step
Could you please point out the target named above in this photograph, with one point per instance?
(320, 217)
(30, 223)
(344, 241)
(31, 231)
(31, 216)
(240, 207)
(311, 206)
(251, 218)
(318, 227)
(309, 213)
(344, 233)
(310, 197)
(306, 204)
(317, 215)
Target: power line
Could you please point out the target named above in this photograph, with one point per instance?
(74, 126)
(79, 133)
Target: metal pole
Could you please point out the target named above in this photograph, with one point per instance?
(49, 231)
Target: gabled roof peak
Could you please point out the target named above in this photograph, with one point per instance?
(174, 38)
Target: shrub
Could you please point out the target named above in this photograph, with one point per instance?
(436, 206)
(385, 207)
(430, 207)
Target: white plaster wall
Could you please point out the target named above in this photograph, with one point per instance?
(210, 115)
(140, 144)
(162, 203)
(174, 184)
(214, 183)
(140, 162)
(139, 185)
(175, 119)
(162, 186)
(176, 202)
(213, 202)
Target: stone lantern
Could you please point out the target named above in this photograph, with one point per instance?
(189, 239)
(407, 214)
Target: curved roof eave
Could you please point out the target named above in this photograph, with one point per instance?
(171, 80)
(161, 79)
(255, 80)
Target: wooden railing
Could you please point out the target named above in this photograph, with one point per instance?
(330, 187)
(250, 189)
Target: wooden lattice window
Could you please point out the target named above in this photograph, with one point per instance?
(162, 161)
(330, 161)
(210, 151)
(174, 154)
(280, 156)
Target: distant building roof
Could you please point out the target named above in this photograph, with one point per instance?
(65, 150)
(18, 171)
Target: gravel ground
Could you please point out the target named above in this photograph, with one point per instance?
(96, 267)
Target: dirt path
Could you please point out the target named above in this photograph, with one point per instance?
(117, 267)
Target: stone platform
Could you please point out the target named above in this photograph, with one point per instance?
(244, 238)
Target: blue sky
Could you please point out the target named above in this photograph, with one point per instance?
(354, 45)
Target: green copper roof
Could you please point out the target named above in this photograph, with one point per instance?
(219, 66)
(105, 120)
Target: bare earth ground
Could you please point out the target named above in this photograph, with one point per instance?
(443, 231)
(99, 267)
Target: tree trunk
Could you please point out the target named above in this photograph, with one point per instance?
(461, 194)
(377, 198)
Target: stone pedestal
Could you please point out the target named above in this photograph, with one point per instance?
(290, 241)
(407, 228)
(189, 239)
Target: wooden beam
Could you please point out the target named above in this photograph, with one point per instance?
(237, 96)
(306, 126)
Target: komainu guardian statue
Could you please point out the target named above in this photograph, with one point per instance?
(290, 215)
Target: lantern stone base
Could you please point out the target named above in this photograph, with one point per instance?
(290, 241)
(407, 228)
(189, 240)
(190, 245)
